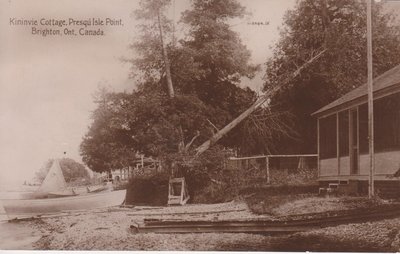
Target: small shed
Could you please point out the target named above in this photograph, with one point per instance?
(343, 134)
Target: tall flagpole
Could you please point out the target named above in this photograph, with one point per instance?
(371, 188)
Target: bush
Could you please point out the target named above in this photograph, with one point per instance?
(293, 177)
(213, 193)
(262, 200)
(148, 190)
(204, 175)
(281, 189)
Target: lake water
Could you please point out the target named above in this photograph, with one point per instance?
(14, 235)
(17, 236)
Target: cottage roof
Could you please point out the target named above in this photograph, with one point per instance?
(387, 79)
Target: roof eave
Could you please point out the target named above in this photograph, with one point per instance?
(358, 100)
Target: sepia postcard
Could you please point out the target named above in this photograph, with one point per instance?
(200, 125)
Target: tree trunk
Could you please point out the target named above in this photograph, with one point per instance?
(202, 148)
(231, 125)
(166, 60)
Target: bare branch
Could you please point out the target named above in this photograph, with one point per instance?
(191, 141)
(215, 127)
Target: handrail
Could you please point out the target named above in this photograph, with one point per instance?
(273, 156)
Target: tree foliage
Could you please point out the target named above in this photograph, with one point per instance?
(107, 145)
(127, 124)
(206, 67)
(339, 27)
(147, 65)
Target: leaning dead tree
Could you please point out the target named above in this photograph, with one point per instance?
(260, 101)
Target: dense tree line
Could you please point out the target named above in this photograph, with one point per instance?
(206, 68)
(339, 26)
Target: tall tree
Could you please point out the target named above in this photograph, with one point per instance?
(151, 63)
(340, 28)
(107, 144)
(218, 53)
(216, 60)
(208, 64)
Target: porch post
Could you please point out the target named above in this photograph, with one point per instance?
(318, 148)
(337, 144)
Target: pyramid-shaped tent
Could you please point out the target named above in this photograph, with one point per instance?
(54, 180)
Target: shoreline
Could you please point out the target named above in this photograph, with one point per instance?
(17, 236)
(14, 235)
(109, 229)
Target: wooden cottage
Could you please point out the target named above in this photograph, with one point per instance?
(343, 152)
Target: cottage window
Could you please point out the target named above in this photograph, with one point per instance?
(344, 133)
(387, 123)
(327, 137)
(363, 128)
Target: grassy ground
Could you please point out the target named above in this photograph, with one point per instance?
(293, 204)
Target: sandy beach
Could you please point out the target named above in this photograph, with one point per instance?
(108, 229)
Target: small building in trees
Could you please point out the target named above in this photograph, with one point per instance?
(343, 151)
(142, 166)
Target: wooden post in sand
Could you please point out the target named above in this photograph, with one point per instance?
(371, 187)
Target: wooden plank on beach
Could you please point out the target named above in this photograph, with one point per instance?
(188, 213)
(306, 222)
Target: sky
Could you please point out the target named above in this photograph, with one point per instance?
(47, 83)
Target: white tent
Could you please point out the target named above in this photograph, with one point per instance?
(54, 180)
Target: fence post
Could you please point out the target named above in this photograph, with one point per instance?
(267, 161)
